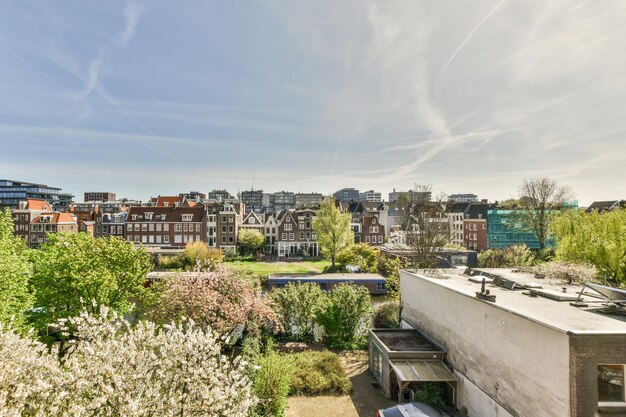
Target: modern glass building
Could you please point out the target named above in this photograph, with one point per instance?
(12, 192)
(502, 234)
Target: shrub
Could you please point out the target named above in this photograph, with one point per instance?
(387, 316)
(512, 256)
(297, 306)
(430, 393)
(271, 384)
(200, 252)
(362, 255)
(567, 272)
(389, 268)
(115, 369)
(318, 373)
(219, 299)
(346, 316)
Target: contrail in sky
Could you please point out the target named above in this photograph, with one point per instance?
(467, 38)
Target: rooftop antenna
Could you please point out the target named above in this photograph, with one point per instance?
(253, 174)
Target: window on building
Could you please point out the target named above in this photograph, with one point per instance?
(367, 239)
(197, 238)
(231, 219)
(288, 227)
(129, 227)
(187, 217)
(144, 239)
(231, 239)
(158, 227)
(611, 383)
(178, 227)
(129, 238)
(178, 239)
(158, 239)
(166, 227)
(223, 239)
(197, 227)
(166, 239)
(284, 236)
(185, 227)
(144, 227)
(151, 227)
(291, 236)
(231, 229)
(380, 238)
(150, 239)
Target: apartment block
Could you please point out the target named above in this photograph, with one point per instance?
(99, 196)
(166, 226)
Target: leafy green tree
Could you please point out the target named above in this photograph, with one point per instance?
(362, 255)
(200, 252)
(389, 268)
(14, 269)
(346, 316)
(250, 240)
(595, 238)
(76, 271)
(332, 227)
(298, 306)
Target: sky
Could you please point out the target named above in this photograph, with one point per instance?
(156, 98)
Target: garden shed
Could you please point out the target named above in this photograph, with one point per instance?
(402, 359)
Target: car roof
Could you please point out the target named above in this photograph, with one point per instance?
(416, 410)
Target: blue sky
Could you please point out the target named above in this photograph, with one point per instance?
(148, 98)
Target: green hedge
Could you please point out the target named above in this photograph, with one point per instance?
(318, 373)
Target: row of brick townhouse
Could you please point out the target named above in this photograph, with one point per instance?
(35, 218)
(166, 226)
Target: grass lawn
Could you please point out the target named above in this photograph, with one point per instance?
(266, 268)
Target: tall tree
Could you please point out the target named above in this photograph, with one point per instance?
(540, 200)
(425, 225)
(76, 271)
(14, 269)
(595, 238)
(333, 229)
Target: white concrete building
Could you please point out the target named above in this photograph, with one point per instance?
(521, 355)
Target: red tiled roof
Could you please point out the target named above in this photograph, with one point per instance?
(37, 204)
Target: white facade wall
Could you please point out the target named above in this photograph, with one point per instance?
(507, 365)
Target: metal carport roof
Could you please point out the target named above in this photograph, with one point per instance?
(421, 371)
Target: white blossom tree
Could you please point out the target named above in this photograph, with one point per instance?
(115, 369)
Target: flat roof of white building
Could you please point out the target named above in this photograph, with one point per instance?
(559, 315)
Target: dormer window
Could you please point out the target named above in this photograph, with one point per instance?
(176, 204)
(251, 220)
(166, 204)
(187, 217)
(134, 217)
(148, 216)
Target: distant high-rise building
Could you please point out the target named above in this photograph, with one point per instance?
(12, 192)
(370, 196)
(196, 196)
(99, 196)
(219, 195)
(268, 202)
(462, 198)
(309, 200)
(284, 200)
(253, 200)
(347, 194)
(415, 196)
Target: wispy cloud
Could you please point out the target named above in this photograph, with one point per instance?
(132, 12)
